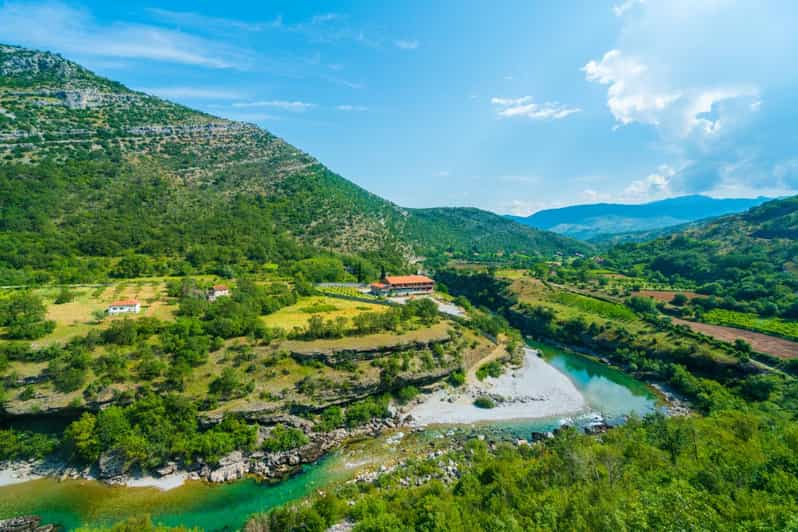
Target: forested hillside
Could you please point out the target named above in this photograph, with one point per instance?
(93, 172)
(744, 262)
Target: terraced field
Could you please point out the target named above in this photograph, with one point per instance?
(762, 343)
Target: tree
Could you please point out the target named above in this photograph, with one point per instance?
(23, 315)
(80, 436)
(679, 300)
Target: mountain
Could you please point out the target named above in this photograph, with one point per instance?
(749, 261)
(606, 240)
(601, 219)
(92, 171)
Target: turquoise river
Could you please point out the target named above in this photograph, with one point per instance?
(76, 503)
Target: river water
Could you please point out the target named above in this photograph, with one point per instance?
(76, 503)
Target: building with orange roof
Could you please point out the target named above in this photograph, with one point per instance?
(403, 285)
(217, 291)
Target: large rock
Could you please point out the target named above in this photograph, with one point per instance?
(232, 467)
(25, 523)
(111, 464)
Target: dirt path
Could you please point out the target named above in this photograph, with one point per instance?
(498, 352)
(763, 343)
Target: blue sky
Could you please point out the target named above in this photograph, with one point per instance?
(512, 106)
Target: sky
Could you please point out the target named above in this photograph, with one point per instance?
(510, 106)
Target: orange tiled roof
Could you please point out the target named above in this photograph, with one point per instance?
(125, 303)
(220, 287)
(408, 279)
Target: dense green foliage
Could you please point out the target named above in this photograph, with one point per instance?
(733, 470)
(744, 262)
(768, 325)
(25, 445)
(282, 438)
(154, 429)
(23, 316)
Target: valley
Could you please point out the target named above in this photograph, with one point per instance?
(204, 327)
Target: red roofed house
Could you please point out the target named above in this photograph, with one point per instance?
(403, 285)
(217, 291)
(124, 306)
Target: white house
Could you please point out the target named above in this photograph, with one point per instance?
(124, 306)
(217, 291)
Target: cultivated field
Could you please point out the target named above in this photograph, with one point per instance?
(761, 343)
(666, 295)
(297, 315)
(87, 309)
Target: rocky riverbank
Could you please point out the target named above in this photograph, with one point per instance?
(234, 466)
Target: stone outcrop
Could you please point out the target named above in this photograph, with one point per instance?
(25, 523)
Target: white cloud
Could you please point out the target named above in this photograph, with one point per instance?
(712, 79)
(348, 107)
(193, 93)
(326, 17)
(58, 26)
(635, 93)
(525, 107)
(622, 8)
(406, 44)
(654, 186)
(285, 105)
(198, 20)
(522, 207)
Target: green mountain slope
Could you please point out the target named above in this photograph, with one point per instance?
(747, 261)
(91, 169)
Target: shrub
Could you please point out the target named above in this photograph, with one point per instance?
(484, 402)
(283, 438)
(491, 369)
(406, 394)
(331, 418)
(457, 379)
(65, 295)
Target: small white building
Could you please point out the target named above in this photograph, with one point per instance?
(217, 291)
(124, 307)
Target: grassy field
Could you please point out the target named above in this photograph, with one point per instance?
(604, 309)
(297, 315)
(79, 316)
(777, 326)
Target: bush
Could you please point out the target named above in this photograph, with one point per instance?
(283, 438)
(484, 402)
(457, 379)
(491, 369)
(65, 295)
(363, 411)
(406, 394)
(331, 418)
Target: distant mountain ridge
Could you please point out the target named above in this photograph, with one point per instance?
(586, 222)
